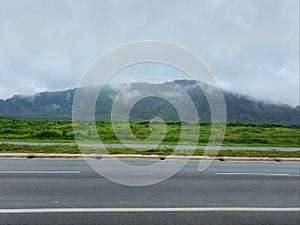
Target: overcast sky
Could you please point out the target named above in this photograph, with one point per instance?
(251, 45)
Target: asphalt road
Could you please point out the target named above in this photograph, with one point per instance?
(70, 192)
(148, 146)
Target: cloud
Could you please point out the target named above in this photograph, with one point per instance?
(251, 45)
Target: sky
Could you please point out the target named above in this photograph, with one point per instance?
(252, 46)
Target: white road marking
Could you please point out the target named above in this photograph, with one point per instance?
(38, 172)
(194, 209)
(134, 173)
(259, 174)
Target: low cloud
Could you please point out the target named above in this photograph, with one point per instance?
(252, 45)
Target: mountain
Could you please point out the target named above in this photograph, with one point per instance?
(240, 108)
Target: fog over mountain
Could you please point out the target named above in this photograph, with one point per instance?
(240, 108)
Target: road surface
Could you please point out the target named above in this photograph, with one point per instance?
(148, 146)
(70, 192)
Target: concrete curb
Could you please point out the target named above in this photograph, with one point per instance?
(139, 156)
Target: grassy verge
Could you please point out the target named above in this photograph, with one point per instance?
(235, 134)
(5, 148)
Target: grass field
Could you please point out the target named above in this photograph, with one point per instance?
(8, 148)
(235, 135)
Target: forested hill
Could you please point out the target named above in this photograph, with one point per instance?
(240, 109)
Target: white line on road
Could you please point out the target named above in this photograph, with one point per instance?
(39, 172)
(134, 173)
(195, 209)
(259, 174)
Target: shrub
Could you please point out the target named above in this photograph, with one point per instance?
(48, 135)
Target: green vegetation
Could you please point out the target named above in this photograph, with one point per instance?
(239, 108)
(8, 148)
(236, 134)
